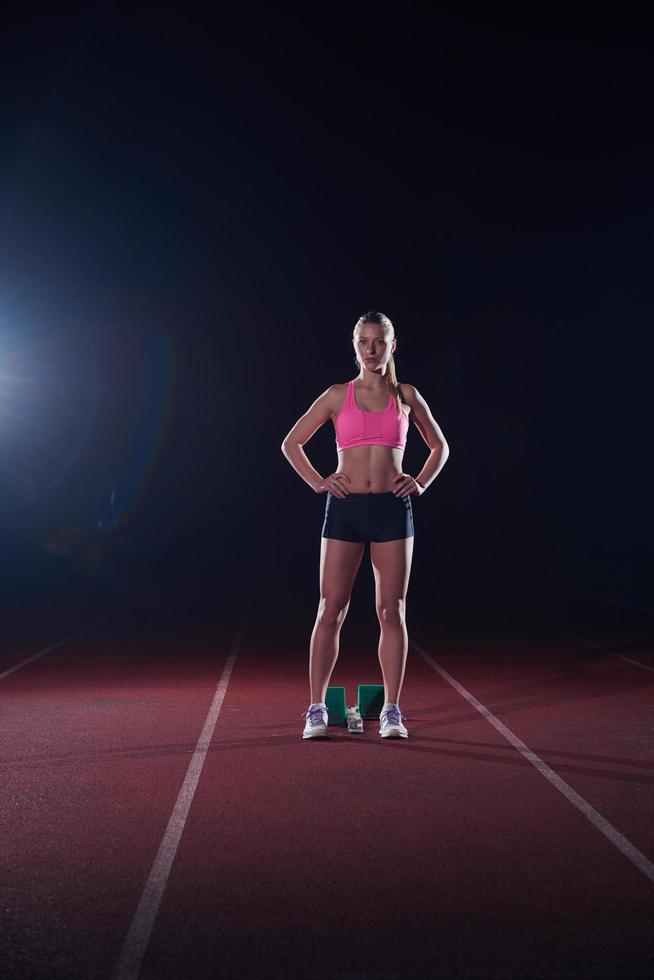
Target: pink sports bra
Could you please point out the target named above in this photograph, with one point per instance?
(355, 427)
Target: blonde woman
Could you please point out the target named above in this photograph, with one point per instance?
(368, 499)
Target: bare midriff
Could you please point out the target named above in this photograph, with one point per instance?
(371, 469)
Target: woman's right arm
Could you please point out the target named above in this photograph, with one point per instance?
(304, 428)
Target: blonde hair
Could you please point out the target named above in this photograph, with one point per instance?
(381, 320)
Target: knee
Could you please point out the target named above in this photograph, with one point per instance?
(332, 611)
(392, 612)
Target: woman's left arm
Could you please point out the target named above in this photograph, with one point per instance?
(431, 432)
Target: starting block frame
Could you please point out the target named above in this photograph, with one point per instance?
(370, 702)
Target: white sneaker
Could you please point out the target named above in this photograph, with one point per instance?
(317, 721)
(390, 723)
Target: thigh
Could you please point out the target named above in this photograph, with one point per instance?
(391, 564)
(339, 564)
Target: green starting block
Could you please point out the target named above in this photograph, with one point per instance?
(335, 701)
(371, 700)
(369, 703)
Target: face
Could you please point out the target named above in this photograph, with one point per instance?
(373, 346)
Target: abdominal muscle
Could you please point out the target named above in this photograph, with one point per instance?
(371, 469)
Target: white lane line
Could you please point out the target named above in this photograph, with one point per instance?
(621, 604)
(138, 936)
(579, 639)
(596, 646)
(617, 839)
(604, 600)
(636, 663)
(54, 646)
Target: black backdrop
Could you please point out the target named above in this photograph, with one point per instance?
(193, 215)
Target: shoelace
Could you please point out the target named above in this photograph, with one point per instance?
(314, 715)
(393, 716)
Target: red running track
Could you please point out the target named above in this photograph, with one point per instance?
(448, 854)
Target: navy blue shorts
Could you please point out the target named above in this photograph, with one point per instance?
(368, 517)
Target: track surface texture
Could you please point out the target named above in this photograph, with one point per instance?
(447, 854)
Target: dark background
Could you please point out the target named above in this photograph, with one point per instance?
(195, 209)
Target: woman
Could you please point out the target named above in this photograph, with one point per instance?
(368, 499)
